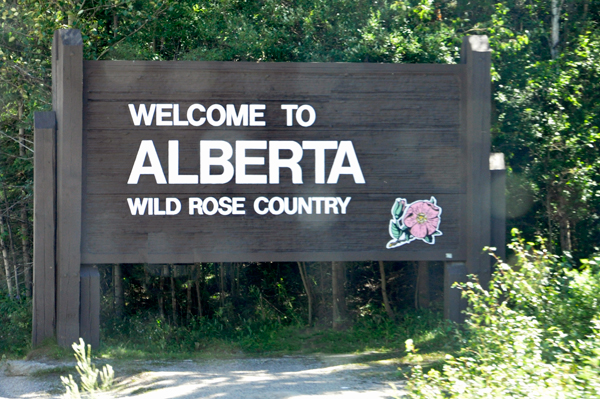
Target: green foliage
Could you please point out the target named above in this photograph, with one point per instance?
(88, 373)
(153, 338)
(535, 333)
(15, 326)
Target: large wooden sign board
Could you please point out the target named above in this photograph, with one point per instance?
(181, 162)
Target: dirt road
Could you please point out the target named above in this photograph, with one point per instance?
(293, 377)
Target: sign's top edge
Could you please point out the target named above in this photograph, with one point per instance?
(234, 66)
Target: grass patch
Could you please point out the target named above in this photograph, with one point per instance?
(374, 337)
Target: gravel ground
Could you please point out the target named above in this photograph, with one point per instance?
(294, 377)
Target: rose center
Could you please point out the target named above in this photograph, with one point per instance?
(421, 218)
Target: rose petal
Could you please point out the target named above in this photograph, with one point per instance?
(418, 207)
(432, 225)
(411, 219)
(419, 230)
(431, 211)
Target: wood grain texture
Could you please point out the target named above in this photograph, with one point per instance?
(498, 204)
(44, 239)
(454, 304)
(90, 305)
(67, 65)
(405, 123)
(476, 54)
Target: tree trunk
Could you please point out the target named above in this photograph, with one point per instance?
(25, 244)
(199, 281)
(222, 283)
(307, 289)
(146, 281)
(119, 294)
(24, 214)
(555, 29)
(564, 224)
(115, 24)
(340, 309)
(173, 299)
(188, 288)
(161, 294)
(11, 242)
(386, 301)
(5, 258)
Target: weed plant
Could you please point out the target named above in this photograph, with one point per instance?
(534, 333)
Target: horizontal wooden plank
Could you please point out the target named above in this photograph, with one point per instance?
(363, 229)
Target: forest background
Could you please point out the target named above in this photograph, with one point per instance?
(545, 119)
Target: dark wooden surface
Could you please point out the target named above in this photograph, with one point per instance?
(44, 201)
(423, 285)
(476, 54)
(67, 65)
(404, 122)
(454, 304)
(90, 305)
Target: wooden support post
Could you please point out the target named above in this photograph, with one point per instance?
(498, 175)
(453, 303)
(44, 239)
(476, 55)
(67, 101)
(423, 285)
(90, 305)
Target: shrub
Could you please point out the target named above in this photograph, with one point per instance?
(15, 326)
(534, 333)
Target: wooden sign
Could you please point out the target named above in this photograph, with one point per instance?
(225, 161)
(181, 162)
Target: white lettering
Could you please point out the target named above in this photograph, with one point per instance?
(289, 112)
(241, 161)
(161, 113)
(319, 147)
(241, 119)
(136, 206)
(257, 206)
(275, 163)
(137, 116)
(254, 113)
(344, 204)
(190, 115)
(147, 149)
(169, 206)
(312, 116)
(206, 161)
(222, 115)
(176, 121)
(174, 176)
(345, 150)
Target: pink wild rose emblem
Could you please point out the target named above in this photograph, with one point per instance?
(419, 220)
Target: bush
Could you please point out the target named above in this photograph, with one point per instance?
(15, 326)
(535, 333)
